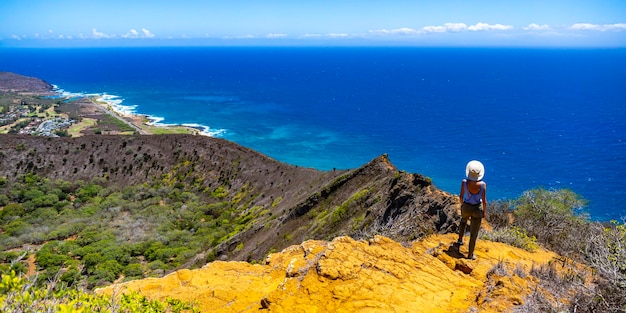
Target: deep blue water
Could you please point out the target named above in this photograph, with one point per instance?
(534, 117)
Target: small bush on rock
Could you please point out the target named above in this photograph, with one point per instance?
(513, 236)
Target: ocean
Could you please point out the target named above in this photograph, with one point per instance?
(551, 118)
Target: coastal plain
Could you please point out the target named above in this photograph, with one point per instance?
(28, 102)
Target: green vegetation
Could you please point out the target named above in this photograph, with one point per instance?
(513, 236)
(108, 119)
(84, 123)
(162, 130)
(94, 235)
(331, 217)
(340, 212)
(553, 219)
(276, 201)
(20, 294)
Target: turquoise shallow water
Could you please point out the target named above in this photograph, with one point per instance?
(549, 118)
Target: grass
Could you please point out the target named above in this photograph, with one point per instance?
(115, 121)
(165, 130)
(75, 129)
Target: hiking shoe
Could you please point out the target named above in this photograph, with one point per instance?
(472, 257)
(459, 242)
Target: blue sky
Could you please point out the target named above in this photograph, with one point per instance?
(59, 23)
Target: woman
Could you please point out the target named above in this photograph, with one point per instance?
(473, 194)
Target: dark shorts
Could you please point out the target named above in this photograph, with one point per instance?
(471, 210)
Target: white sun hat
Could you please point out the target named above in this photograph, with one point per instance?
(474, 170)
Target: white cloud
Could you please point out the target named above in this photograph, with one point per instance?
(338, 35)
(98, 35)
(16, 37)
(248, 36)
(447, 27)
(131, 34)
(599, 27)
(489, 27)
(275, 35)
(534, 26)
(146, 33)
(397, 31)
(404, 31)
(585, 26)
(331, 35)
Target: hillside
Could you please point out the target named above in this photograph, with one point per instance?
(139, 205)
(284, 204)
(15, 83)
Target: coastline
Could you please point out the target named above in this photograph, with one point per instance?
(92, 104)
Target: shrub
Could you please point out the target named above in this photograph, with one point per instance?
(108, 271)
(71, 275)
(4, 199)
(219, 193)
(88, 191)
(500, 213)
(10, 212)
(17, 228)
(134, 270)
(20, 294)
(606, 252)
(552, 217)
(47, 256)
(513, 236)
(92, 259)
(157, 265)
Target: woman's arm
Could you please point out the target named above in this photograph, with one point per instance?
(484, 199)
(462, 191)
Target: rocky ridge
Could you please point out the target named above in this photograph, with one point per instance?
(11, 82)
(347, 275)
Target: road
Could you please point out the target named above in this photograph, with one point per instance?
(116, 115)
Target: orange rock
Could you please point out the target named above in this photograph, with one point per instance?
(346, 275)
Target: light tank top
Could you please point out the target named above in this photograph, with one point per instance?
(471, 198)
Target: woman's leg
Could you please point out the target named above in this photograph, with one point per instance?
(474, 228)
(465, 215)
(462, 229)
